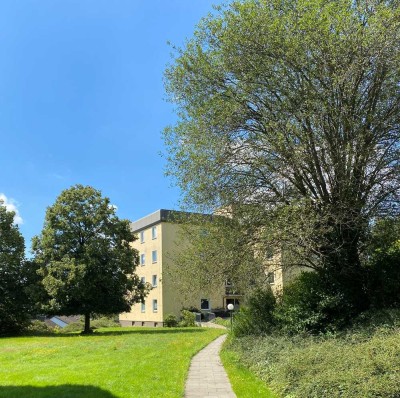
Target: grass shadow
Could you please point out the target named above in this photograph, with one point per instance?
(61, 391)
(120, 332)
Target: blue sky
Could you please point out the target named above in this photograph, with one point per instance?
(82, 101)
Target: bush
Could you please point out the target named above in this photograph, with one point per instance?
(309, 304)
(257, 315)
(222, 321)
(73, 327)
(39, 327)
(188, 319)
(170, 321)
(350, 365)
(384, 277)
(104, 322)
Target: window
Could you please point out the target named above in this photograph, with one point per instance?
(154, 233)
(154, 280)
(154, 256)
(143, 309)
(154, 305)
(141, 236)
(205, 304)
(143, 280)
(142, 259)
(271, 278)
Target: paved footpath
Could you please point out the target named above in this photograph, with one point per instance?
(207, 377)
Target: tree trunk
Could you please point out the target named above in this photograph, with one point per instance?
(87, 329)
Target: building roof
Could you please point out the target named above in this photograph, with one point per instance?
(158, 216)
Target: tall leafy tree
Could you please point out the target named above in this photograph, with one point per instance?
(85, 257)
(289, 116)
(14, 302)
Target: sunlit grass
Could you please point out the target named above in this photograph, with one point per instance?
(244, 383)
(112, 363)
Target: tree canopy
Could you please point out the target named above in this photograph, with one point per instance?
(85, 257)
(289, 115)
(14, 302)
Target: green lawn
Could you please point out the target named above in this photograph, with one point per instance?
(244, 383)
(112, 363)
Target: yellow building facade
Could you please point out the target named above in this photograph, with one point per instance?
(158, 243)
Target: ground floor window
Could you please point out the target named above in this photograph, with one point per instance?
(205, 304)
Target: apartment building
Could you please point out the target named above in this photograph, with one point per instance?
(159, 241)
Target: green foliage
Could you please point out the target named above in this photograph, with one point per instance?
(310, 304)
(73, 327)
(188, 319)
(85, 257)
(257, 315)
(97, 323)
(222, 321)
(170, 321)
(383, 264)
(288, 121)
(37, 327)
(15, 305)
(351, 365)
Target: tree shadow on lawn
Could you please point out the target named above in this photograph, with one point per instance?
(123, 331)
(61, 391)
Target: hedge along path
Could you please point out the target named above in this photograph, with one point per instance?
(207, 376)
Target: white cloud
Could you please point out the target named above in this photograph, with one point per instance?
(11, 205)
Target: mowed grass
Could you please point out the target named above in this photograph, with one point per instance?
(112, 363)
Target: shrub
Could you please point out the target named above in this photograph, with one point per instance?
(257, 316)
(222, 321)
(170, 321)
(351, 365)
(105, 322)
(187, 319)
(384, 277)
(309, 304)
(39, 327)
(73, 327)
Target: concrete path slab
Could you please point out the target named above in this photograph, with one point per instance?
(207, 377)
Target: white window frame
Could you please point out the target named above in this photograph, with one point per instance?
(141, 234)
(142, 259)
(155, 305)
(143, 279)
(154, 233)
(154, 280)
(143, 307)
(154, 256)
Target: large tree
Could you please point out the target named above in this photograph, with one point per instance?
(289, 116)
(85, 257)
(14, 302)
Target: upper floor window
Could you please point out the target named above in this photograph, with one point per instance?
(154, 256)
(155, 306)
(143, 280)
(143, 307)
(141, 236)
(142, 259)
(154, 233)
(154, 280)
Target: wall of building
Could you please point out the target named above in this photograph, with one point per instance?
(168, 244)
